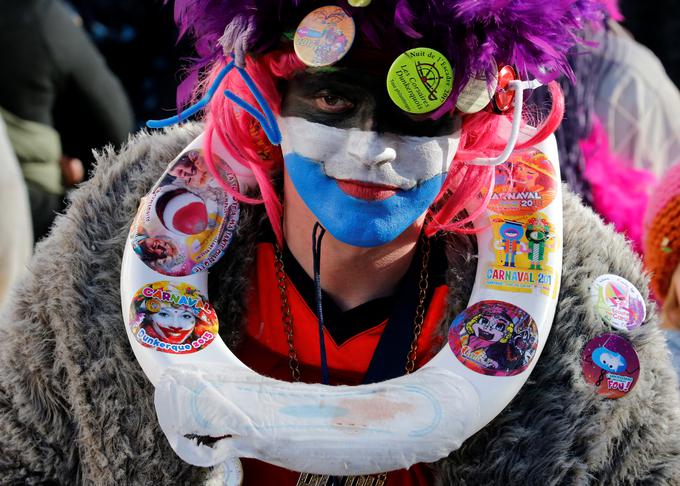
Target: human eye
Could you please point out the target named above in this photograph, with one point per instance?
(330, 102)
(187, 316)
(163, 314)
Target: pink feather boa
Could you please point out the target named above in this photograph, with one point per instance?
(620, 192)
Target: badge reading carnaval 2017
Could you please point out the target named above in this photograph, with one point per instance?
(610, 363)
(617, 302)
(522, 245)
(172, 318)
(179, 230)
(420, 80)
(526, 183)
(324, 36)
(494, 338)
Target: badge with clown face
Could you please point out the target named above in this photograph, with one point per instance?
(172, 318)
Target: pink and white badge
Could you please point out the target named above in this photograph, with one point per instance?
(610, 364)
(617, 302)
(324, 36)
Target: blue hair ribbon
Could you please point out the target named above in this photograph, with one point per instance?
(265, 117)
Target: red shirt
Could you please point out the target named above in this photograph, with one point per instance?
(265, 350)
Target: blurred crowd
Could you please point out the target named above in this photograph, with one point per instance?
(84, 74)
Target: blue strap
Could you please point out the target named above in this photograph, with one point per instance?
(317, 235)
(265, 118)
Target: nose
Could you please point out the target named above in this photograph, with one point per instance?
(371, 148)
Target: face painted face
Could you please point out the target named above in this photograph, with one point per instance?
(364, 168)
(173, 324)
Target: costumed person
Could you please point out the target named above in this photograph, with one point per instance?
(357, 269)
(662, 255)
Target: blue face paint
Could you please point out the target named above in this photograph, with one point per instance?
(356, 221)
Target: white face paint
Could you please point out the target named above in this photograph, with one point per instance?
(378, 158)
(173, 324)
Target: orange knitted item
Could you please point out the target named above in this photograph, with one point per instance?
(662, 242)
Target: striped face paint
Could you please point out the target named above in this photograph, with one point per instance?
(365, 169)
(364, 187)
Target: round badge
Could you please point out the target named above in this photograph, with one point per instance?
(188, 220)
(172, 318)
(611, 365)
(477, 93)
(494, 338)
(324, 36)
(526, 183)
(420, 80)
(617, 302)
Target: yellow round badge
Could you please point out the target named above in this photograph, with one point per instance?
(420, 80)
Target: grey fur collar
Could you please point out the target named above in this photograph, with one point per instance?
(76, 407)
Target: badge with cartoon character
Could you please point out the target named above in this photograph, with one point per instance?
(494, 338)
(611, 365)
(172, 318)
(617, 302)
(522, 246)
(185, 223)
(525, 184)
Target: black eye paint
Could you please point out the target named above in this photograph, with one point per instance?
(371, 109)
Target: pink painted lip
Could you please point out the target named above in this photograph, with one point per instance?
(366, 190)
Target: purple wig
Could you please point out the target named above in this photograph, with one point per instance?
(533, 35)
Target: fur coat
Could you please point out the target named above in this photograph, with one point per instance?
(75, 407)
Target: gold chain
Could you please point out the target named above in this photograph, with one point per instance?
(420, 310)
(307, 479)
(286, 316)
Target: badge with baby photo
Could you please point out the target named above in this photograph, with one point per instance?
(526, 183)
(172, 318)
(187, 221)
(494, 338)
(522, 246)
